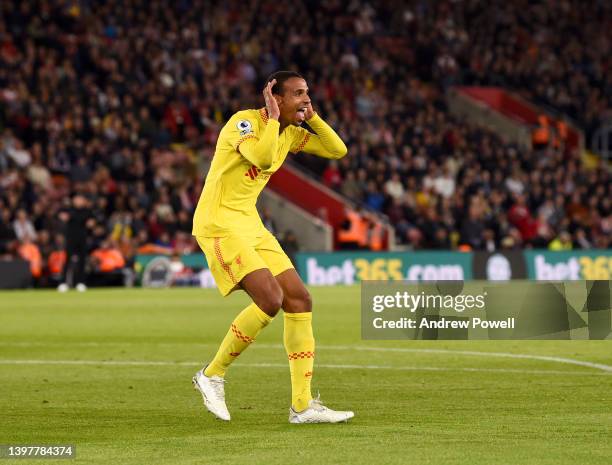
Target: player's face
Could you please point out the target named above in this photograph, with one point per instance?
(293, 102)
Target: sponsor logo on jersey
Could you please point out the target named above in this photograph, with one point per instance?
(252, 172)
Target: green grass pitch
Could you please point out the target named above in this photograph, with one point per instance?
(110, 371)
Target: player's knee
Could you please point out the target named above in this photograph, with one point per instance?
(272, 302)
(305, 301)
(298, 302)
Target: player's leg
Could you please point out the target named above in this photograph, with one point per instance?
(267, 300)
(298, 337)
(235, 265)
(300, 347)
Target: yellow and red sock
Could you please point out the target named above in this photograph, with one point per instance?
(300, 347)
(243, 331)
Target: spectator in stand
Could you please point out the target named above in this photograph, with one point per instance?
(29, 251)
(183, 243)
(148, 247)
(290, 245)
(7, 232)
(562, 242)
(56, 260)
(374, 198)
(473, 228)
(520, 217)
(109, 266)
(164, 240)
(394, 187)
(181, 275)
(268, 220)
(23, 227)
(353, 233)
(350, 187)
(581, 241)
(331, 176)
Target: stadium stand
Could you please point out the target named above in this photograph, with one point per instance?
(122, 102)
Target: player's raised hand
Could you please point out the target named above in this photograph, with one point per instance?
(271, 103)
(309, 111)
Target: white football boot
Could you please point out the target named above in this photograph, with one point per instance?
(63, 287)
(81, 287)
(213, 392)
(318, 413)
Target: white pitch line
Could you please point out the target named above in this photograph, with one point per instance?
(546, 358)
(112, 343)
(426, 368)
(284, 366)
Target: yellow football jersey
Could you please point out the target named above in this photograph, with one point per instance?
(227, 203)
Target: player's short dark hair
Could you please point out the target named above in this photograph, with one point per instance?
(281, 77)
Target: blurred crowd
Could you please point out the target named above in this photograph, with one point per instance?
(121, 103)
(446, 185)
(555, 53)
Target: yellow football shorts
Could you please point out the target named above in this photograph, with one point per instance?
(231, 258)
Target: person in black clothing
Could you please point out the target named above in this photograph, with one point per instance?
(7, 233)
(78, 221)
(290, 245)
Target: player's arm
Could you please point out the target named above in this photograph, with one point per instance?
(260, 151)
(325, 143)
